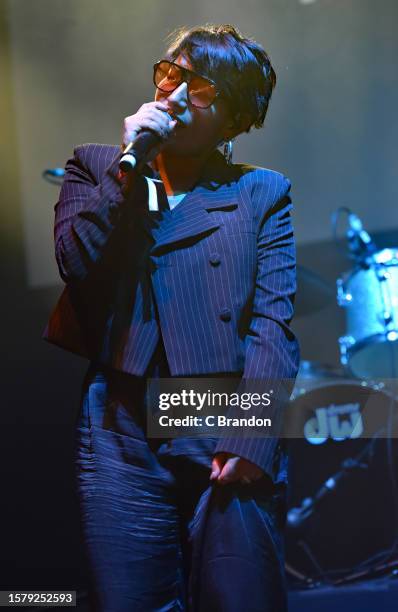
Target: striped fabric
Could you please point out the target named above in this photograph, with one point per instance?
(215, 276)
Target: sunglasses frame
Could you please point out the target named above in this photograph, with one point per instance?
(187, 76)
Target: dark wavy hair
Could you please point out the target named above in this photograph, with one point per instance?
(239, 66)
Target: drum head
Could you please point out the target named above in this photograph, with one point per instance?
(375, 357)
(356, 519)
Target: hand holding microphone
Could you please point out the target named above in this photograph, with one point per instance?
(144, 134)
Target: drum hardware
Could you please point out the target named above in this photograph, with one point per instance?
(348, 536)
(313, 375)
(343, 297)
(296, 517)
(315, 371)
(378, 570)
(360, 243)
(325, 532)
(369, 295)
(345, 343)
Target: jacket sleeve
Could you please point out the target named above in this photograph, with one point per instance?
(271, 348)
(88, 209)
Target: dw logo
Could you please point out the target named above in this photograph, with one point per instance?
(335, 422)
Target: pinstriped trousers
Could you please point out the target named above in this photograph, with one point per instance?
(158, 535)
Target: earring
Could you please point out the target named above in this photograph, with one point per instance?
(227, 152)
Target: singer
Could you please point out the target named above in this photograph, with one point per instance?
(180, 264)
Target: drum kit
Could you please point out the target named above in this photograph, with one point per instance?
(342, 519)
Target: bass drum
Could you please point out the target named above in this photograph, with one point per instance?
(334, 458)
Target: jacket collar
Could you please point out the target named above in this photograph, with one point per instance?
(216, 172)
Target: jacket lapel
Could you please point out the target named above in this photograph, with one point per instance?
(191, 219)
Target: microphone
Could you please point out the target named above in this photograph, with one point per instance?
(296, 517)
(135, 152)
(358, 239)
(53, 175)
(54, 172)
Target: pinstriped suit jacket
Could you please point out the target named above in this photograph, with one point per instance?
(215, 276)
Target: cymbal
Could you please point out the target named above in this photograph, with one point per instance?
(313, 292)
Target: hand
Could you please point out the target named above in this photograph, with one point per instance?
(226, 468)
(150, 116)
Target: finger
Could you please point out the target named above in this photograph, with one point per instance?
(156, 104)
(163, 120)
(154, 119)
(162, 111)
(230, 471)
(155, 126)
(215, 470)
(217, 464)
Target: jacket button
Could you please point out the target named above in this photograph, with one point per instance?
(214, 259)
(225, 315)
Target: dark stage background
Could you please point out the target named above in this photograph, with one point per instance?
(70, 71)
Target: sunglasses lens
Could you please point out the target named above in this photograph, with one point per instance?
(201, 92)
(167, 76)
